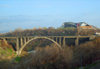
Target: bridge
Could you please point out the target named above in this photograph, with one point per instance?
(60, 41)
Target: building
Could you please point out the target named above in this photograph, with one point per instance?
(82, 25)
(68, 24)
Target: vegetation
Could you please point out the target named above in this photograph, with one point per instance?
(6, 51)
(49, 32)
(50, 57)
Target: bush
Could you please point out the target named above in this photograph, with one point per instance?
(87, 53)
(47, 58)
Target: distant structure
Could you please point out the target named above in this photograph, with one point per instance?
(97, 32)
(82, 25)
(69, 24)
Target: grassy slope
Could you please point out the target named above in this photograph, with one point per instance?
(6, 52)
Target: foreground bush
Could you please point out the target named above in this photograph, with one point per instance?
(47, 58)
(86, 53)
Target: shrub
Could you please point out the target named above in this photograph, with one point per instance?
(49, 57)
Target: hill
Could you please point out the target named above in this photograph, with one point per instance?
(6, 50)
(50, 32)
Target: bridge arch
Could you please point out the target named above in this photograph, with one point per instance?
(20, 51)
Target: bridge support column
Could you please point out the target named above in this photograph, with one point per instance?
(60, 40)
(77, 41)
(25, 40)
(21, 42)
(17, 46)
(64, 42)
(56, 39)
(28, 38)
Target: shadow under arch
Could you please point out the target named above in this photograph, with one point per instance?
(20, 51)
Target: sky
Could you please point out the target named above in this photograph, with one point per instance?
(28, 14)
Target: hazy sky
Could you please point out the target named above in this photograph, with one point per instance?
(47, 13)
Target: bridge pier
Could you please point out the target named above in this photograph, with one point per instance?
(60, 40)
(77, 41)
(21, 42)
(64, 42)
(56, 39)
(28, 38)
(25, 40)
(17, 46)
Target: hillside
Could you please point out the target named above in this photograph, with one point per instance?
(6, 51)
(49, 32)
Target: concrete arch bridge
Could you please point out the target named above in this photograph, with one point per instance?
(60, 41)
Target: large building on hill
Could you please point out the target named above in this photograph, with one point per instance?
(82, 25)
(68, 24)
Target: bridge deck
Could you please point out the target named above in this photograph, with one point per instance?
(49, 36)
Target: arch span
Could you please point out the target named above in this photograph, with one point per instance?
(35, 39)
